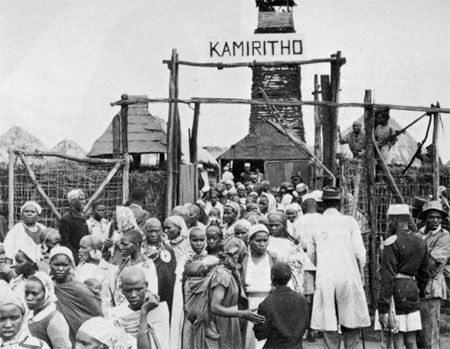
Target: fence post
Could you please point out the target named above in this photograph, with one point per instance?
(370, 180)
(12, 158)
(318, 171)
(436, 164)
(335, 83)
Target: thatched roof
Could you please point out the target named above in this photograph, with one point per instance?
(146, 135)
(401, 153)
(18, 139)
(69, 147)
(268, 141)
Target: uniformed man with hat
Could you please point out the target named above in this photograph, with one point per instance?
(339, 254)
(404, 276)
(438, 244)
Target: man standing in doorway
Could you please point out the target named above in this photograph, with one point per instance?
(245, 176)
(339, 254)
(438, 244)
(356, 140)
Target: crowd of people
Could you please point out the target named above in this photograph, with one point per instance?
(246, 266)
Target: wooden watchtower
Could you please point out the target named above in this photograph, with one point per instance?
(280, 82)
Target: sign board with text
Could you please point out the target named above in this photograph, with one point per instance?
(259, 47)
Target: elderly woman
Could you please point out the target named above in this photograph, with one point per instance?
(99, 333)
(25, 232)
(74, 300)
(163, 257)
(25, 263)
(176, 231)
(92, 265)
(241, 230)
(281, 243)
(13, 330)
(44, 321)
(256, 275)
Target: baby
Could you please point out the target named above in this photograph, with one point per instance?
(94, 285)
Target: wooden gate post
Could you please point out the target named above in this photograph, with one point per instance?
(194, 136)
(12, 159)
(436, 165)
(173, 87)
(318, 171)
(370, 181)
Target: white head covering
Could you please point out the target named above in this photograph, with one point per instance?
(258, 228)
(74, 194)
(294, 206)
(32, 251)
(180, 223)
(31, 203)
(64, 251)
(398, 210)
(106, 333)
(126, 219)
(243, 223)
(49, 288)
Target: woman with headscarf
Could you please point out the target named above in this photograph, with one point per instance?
(99, 333)
(92, 265)
(74, 300)
(122, 221)
(163, 257)
(293, 212)
(280, 241)
(231, 214)
(44, 321)
(25, 232)
(226, 296)
(242, 229)
(177, 232)
(14, 333)
(25, 264)
(255, 275)
(214, 238)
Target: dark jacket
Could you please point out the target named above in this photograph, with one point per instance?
(287, 318)
(72, 227)
(404, 254)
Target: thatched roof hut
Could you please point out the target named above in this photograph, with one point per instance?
(401, 153)
(279, 151)
(69, 147)
(146, 135)
(18, 139)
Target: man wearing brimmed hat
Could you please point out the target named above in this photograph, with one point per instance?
(338, 251)
(404, 276)
(438, 244)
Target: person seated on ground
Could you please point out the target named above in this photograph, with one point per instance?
(138, 197)
(13, 325)
(356, 140)
(99, 333)
(142, 316)
(97, 222)
(44, 321)
(285, 312)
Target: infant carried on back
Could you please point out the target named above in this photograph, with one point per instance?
(198, 275)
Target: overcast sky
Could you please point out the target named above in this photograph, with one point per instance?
(62, 62)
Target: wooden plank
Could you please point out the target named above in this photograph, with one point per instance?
(102, 186)
(370, 180)
(116, 136)
(67, 157)
(436, 165)
(335, 82)
(194, 136)
(326, 123)
(12, 159)
(126, 179)
(38, 186)
(210, 100)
